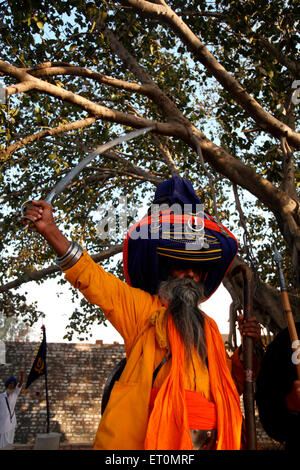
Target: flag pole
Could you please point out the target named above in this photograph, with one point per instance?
(46, 386)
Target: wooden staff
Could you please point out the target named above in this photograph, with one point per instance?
(248, 350)
(287, 308)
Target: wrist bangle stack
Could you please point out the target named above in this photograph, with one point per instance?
(70, 257)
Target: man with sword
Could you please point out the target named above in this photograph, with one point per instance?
(176, 391)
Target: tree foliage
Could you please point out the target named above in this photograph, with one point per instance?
(218, 80)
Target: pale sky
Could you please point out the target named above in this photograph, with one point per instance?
(58, 309)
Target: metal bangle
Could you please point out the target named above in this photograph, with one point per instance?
(72, 258)
(61, 258)
(73, 254)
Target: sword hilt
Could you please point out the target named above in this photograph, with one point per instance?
(26, 204)
(22, 214)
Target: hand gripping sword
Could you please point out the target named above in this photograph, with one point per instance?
(64, 182)
(287, 308)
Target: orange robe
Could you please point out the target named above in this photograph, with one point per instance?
(139, 318)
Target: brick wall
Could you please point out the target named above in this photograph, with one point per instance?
(76, 376)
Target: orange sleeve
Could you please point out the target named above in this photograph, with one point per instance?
(125, 307)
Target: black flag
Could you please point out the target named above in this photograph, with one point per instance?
(39, 365)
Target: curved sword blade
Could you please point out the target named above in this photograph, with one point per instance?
(66, 180)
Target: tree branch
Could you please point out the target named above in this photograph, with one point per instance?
(110, 172)
(212, 182)
(43, 273)
(222, 161)
(291, 65)
(147, 175)
(279, 202)
(47, 132)
(158, 96)
(166, 154)
(265, 120)
(73, 70)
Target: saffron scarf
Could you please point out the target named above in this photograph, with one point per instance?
(168, 426)
(201, 412)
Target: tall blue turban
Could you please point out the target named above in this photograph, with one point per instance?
(160, 240)
(11, 379)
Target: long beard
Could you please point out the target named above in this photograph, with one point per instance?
(183, 297)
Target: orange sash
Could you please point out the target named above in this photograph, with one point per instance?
(168, 427)
(201, 412)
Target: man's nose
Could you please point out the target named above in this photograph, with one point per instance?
(190, 273)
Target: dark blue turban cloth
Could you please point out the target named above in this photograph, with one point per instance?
(147, 259)
(11, 379)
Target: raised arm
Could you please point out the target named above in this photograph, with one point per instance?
(125, 307)
(21, 379)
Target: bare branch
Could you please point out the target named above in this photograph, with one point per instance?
(134, 169)
(104, 172)
(166, 154)
(47, 132)
(22, 87)
(243, 222)
(210, 179)
(43, 273)
(161, 99)
(52, 70)
(178, 127)
(92, 108)
(294, 67)
(246, 177)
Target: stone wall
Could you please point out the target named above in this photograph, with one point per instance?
(77, 374)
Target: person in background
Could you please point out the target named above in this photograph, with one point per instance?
(278, 391)
(8, 401)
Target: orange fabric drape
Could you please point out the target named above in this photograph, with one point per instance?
(168, 427)
(224, 392)
(201, 412)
